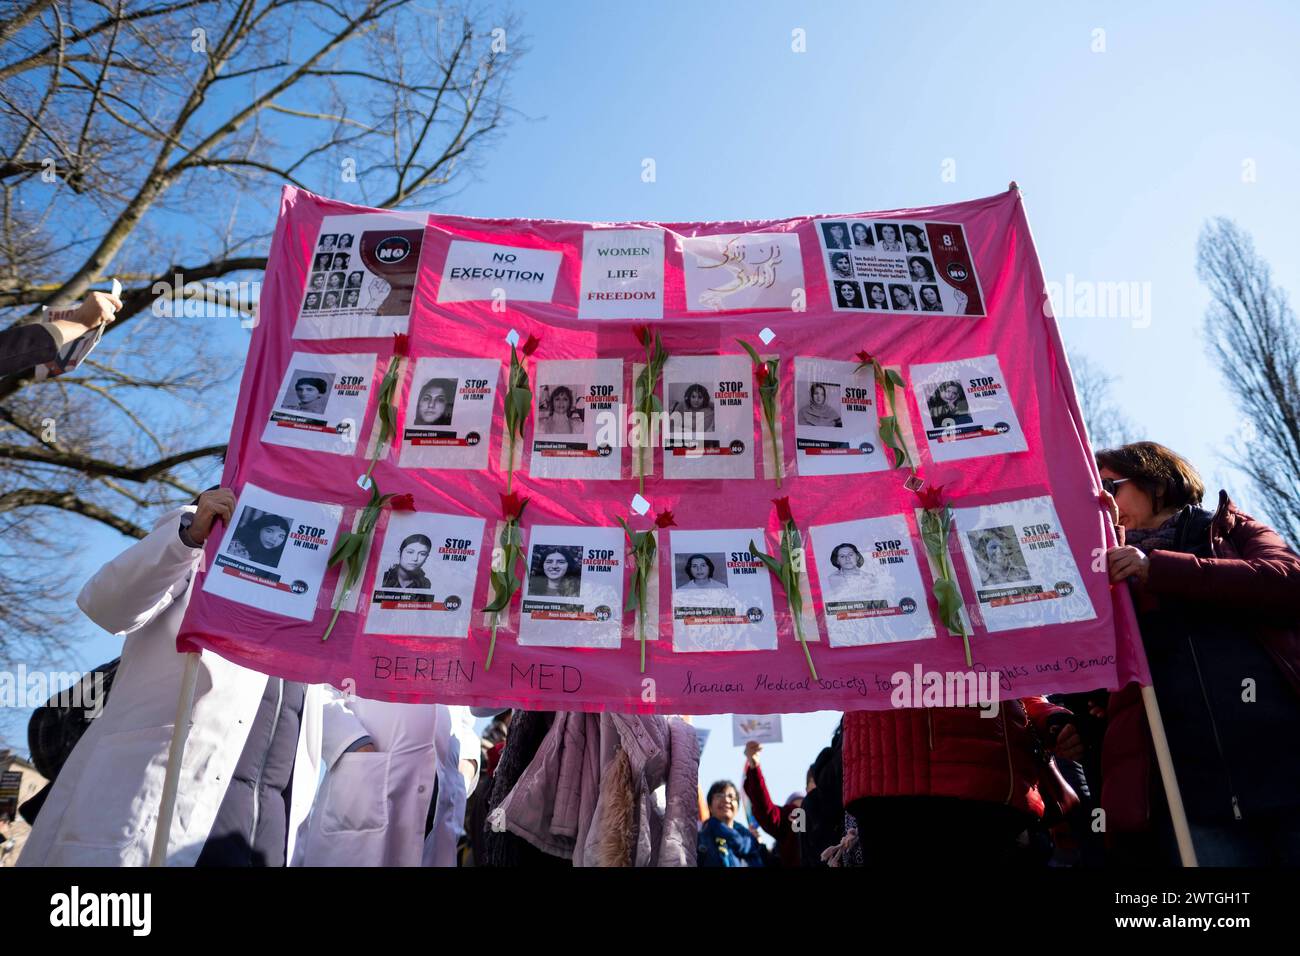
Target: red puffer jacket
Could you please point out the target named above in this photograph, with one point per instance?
(947, 752)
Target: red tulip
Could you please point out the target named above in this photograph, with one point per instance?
(864, 357)
(512, 505)
(783, 509)
(402, 503)
(931, 497)
(400, 344)
(642, 333)
(530, 346)
(664, 519)
(760, 374)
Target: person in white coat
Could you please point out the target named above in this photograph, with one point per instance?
(104, 805)
(388, 763)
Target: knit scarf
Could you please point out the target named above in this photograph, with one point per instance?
(1165, 537)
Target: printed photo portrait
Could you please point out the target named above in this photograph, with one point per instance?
(317, 281)
(930, 299)
(331, 301)
(690, 408)
(308, 392)
(920, 268)
(821, 406)
(836, 234)
(700, 572)
(997, 555)
(312, 301)
(557, 412)
(323, 262)
(407, 571)
(345, 240)
(327, 241)
(948, 405)
(876, 296)
(350, 298)
(555, 570)
(848, 295)
(846, 567)
(901, 298)
(841, 266)
(354, 279)
(914, 239)
(259, 537)
(435, 402)
(887, 238)
(341, 260)
(336, 280)
(862, 238)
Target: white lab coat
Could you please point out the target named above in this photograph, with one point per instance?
(104, 805)
(372, 807)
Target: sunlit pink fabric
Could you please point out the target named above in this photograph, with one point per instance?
(1018, 329)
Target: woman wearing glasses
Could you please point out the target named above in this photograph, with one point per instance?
(1218, 602)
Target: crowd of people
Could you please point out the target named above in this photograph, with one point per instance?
(276, 772)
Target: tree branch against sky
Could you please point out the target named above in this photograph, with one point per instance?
(147, 140)
(1255, 340)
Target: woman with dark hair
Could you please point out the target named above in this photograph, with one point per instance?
(560, 418)
(553, 576)
(862, 235)
(722, 842)
(903, 300)
(435, 402)
(313, 394)
(698, 404)
(914, 239)
(876, 298)
(699, 572)
(848, 562)
(920, 269)
(930, 299)
(408, 572)
(1218, 602)
(260, 541)
(817, 412)
(948, 405)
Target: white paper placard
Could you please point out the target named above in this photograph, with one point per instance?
(449, 413)
(761, 270)
(424, 584)
(722, 593)
(274, 553)
(622, 274)
(763, 728)
(836, 420)
(576, 419)
(321, 402)
(708, 420)
(362, 276)
(485, 271)
(965, 409)
(1020, 565)
(573, 593)
(872, 590)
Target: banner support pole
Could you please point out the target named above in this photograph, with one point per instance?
(180, 732)
(1174, 796)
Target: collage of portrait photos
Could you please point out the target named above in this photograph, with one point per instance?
(899, 266)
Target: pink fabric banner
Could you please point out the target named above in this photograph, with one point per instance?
(953, 297)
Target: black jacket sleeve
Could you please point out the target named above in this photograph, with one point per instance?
(24, 346)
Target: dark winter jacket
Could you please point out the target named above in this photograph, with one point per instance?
(776, 822)
(721, 845)
(1220, 621)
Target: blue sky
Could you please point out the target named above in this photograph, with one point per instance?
(1122, 156)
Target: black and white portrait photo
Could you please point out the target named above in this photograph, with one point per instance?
(323, 262)
(901, 298)
(998, 556)
(317, 281)
(350, 298)
(312, 301)
(862, 238)
(837, 235)
(690, 409)
(914, 239)
(308, 392)
(331, 300)
(354, 279)
(555, 570)
(259, 537)
(408, 570)
(920, 269)
(327, 241)
(841, 266)
(435, 402)
(848, 295)
(345, 240)
(887, 239)
(948, 406)
(876, 296)
(341, 260)
(557, 411)
(820, 406)
(701, 572)
(336, 280)
(930, 299)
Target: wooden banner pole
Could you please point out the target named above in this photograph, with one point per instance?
(1173, 795)
(180, 732)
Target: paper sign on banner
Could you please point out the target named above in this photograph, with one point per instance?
(837, 428)
(424, 584)
(722, 593)
(576, 419)
(322, 402)
(761, 728)
(622, 274)
(573, 593)
(449, 413)
(746, 271)
(872, 591)
(362, 276)
(966, 408)
(708, 417)
(482, 270)
(274, 553)
(1021, 566)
